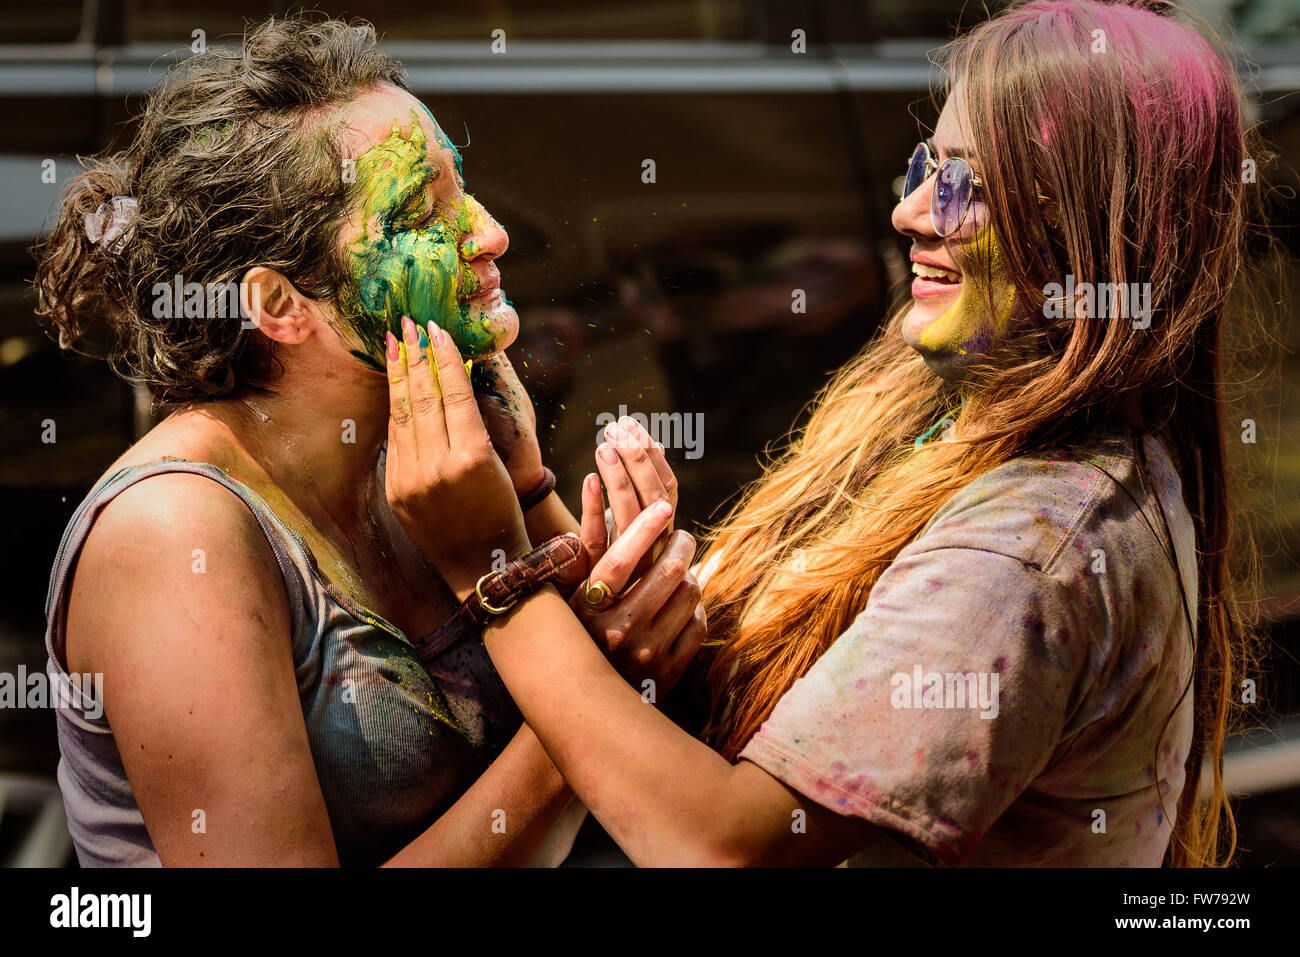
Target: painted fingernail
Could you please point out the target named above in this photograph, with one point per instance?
(408, 330)
(436, 332)
(390, 341)
(607, 454)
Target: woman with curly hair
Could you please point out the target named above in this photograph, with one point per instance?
(285, 678)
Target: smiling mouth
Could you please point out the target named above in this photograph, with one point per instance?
(935, 274)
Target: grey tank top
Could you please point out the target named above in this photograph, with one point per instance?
(399, 729)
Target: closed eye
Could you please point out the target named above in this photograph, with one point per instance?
(427, 218)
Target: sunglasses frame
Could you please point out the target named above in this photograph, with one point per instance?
(932, 166)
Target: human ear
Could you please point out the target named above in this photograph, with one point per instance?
(276, 307)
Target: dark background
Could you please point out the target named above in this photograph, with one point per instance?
(775, 171)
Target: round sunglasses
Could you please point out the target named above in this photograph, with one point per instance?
(951, 198)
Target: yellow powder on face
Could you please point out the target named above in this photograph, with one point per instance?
(966, 326)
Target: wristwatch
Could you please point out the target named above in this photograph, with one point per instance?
(497, 592)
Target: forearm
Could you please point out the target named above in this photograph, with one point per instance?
(502, 819)
(665, 797)
(549, 518)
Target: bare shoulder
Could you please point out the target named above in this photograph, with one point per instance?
(175, 547)
(176, 511)
(175, 524)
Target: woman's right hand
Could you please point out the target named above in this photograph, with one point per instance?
(654, 624)
(636, 474)
(443, 479)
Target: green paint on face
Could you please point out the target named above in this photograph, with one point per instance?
(408, 260)
(966, 327)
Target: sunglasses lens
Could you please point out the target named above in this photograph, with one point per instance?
(915, 170)
(951, 196)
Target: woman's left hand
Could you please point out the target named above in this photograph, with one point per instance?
(444, 481)
(511, 420)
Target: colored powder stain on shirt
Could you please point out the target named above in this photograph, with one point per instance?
(1087, 673)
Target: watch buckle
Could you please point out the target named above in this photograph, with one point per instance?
(488, 607)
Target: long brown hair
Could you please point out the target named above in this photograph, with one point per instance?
(1139, 150)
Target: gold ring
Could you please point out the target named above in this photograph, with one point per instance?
(596, 592)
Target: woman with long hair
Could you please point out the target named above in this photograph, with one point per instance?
(285, 678)
(986, 603)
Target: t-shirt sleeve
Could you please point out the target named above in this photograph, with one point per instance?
(935, 709)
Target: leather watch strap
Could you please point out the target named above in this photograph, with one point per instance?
(497, 592)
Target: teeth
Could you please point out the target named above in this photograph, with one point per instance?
(930, 272)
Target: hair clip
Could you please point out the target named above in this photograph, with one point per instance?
(108, 225)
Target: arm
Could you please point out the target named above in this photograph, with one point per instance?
(548, 518)
(199, 689)
(524, 784)
(666, 797)
(857, 733)
(204, 705)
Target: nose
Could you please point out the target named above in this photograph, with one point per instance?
(911, 216)
(487, 239)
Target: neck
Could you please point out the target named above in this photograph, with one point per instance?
(1130, 409)
(318, 437)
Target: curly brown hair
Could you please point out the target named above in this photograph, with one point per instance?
(234, 164)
